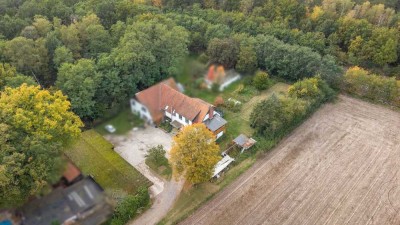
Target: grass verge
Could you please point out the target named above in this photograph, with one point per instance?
(95, 156)
(123, 123)
(191, 199)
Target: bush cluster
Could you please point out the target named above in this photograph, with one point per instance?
(276, 116)
(156, 155)
(130, 206)
(377, 88)
(261, 80)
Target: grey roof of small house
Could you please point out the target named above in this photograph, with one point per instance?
(215, 123)
(64, 203)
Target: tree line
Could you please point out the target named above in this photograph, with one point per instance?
(118, 47)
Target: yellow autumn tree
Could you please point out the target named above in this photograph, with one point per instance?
(316, 13)
(35, 125)
(194, 153)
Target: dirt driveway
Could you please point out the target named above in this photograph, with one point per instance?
(339, 167)
(133, 148)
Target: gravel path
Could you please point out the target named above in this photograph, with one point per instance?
(161, 204)
(133, 148)
(339, 167)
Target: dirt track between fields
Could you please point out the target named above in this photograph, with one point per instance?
(339, 167)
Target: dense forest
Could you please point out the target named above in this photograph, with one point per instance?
(100, 52)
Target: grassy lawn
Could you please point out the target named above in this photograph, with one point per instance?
(95, 156)
(247, 108)
(123, 122)
(164, 171)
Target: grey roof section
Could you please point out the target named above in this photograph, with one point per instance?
(63, 204)
(215, 123)
(243, 141)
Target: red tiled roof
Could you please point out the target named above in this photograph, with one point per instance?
(157, 97)
(71, 172)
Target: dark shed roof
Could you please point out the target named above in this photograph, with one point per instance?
(215, 123)
(243, 141)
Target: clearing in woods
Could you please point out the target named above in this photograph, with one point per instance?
(339, 167)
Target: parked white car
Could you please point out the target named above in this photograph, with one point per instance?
(110, 128)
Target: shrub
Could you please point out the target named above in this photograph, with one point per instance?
(157, 155)
(166, 126)
(203, 58)
(215, 87)
(261, 80)
(233, 106)
(129, 207)
(219, 101)
(199, 83)
(313, 89)
(247, 80)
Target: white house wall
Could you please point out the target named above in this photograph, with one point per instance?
(208, 116)
(176, 117)
(220, 134)
(137, 108)
(229, 82)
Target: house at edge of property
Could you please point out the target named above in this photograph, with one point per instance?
(164, 101)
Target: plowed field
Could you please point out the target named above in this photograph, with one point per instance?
(339, 167)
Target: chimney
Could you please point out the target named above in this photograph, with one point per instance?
(211, 112)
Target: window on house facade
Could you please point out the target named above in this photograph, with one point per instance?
(180, 117)
(143, 109)
(133, 103)
(187, 121)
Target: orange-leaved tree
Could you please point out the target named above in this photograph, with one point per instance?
(194, 153)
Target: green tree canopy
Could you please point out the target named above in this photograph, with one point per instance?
(273, 116)
(62, 55)
(79, 82)
(28, 56)
(224, 52)
(151, 49)
(10, 78)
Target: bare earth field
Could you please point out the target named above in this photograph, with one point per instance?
(339, 167)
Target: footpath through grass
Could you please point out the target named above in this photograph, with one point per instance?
(238, 121)
(95, 156)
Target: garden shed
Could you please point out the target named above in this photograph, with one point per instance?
(244, 142)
